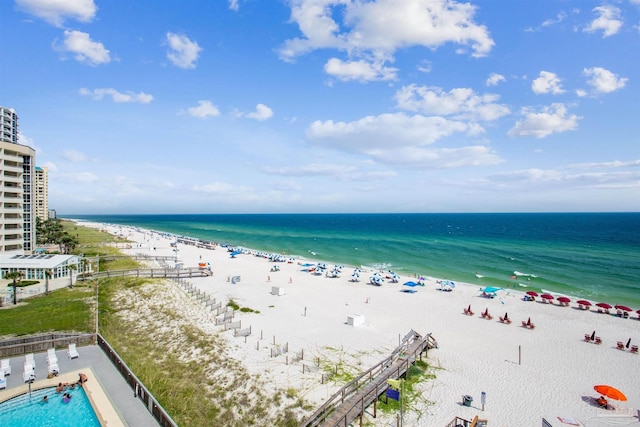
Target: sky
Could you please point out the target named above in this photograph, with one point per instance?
(312, 106)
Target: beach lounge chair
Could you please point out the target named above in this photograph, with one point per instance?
(51, 355)
(29, 373)
(53, 369)
(598, 340)
(620, 345)
(587, 337)
(72, 352)
(634, 349)
(3, 381)
(29, 360)
(5, 367)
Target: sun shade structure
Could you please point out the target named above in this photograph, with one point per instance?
(622, 307)
(604, 305)
(610, 392)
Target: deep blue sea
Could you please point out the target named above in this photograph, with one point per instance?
(589, 255)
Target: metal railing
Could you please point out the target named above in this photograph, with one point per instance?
(140, 391)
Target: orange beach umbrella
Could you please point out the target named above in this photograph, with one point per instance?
(610, 392)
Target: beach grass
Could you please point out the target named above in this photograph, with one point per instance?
(63, 310)
(188, 371)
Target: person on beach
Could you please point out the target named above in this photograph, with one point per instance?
(602, 402)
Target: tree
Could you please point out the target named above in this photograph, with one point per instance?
(71, 268)
(16, 276)
(47, 276)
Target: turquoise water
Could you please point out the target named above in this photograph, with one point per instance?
(588, 255)
(25, 411)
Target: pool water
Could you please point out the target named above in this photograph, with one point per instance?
(25, 411)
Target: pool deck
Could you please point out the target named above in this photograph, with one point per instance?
(106, 388)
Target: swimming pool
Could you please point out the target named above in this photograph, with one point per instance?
(25, 411)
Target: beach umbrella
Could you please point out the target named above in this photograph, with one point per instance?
(603, 305)
(628, 342)
(584, 302)
(532, 293)
(622, 307)
(610, 392)
(593, 335)
(547, 296)
(564, 299)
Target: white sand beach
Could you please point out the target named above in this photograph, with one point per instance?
(527, 374)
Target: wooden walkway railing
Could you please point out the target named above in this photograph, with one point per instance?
(173, 273)
(350, 401)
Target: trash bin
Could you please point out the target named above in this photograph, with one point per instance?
(466, 400)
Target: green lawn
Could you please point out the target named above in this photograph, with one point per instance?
(64, 310)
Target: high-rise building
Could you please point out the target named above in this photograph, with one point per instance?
(17, 170)
(8, 125)
(41, 193)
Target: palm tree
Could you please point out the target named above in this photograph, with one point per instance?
(16, 276)
(83, 267)
(71, 268)
(47, 276)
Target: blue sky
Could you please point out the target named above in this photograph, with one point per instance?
(233, 106)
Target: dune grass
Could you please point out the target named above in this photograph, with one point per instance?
(190, 372)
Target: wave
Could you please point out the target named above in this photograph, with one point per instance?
(517, 273)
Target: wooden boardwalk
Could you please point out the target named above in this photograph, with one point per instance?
(351, 401)
(160, 273)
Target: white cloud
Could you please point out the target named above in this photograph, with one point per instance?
(552, 119)
(494, 79)
(52, 167)
(56, 12)
(262, 113)
(603, 80)
(85, 50)
(462, 103)
(559, 18)
(234, 5)
(182, 52)
(119, 97)
(222, 188)
(376, 29)
(608, 21)
(401, 139)
(74, 156)
(360, 70)
(203, 110)
(339, 171)
(547, 83)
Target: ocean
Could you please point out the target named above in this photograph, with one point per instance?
(595, 256)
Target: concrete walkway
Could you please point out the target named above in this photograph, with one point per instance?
(131, 410)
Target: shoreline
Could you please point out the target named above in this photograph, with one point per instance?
(475, 354)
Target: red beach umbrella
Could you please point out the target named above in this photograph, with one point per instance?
(610, 392)
(564, 299)
(622, 307)
(604, 305)
(532, 293)
(547, 296)
(583, 302)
